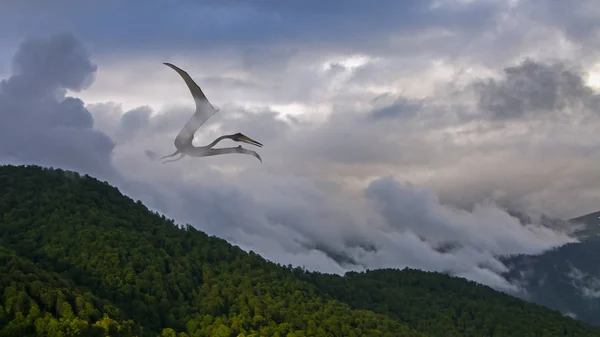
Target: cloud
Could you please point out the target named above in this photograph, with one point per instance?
(533, 88)
(131, 122)
(486, 228)
(53, 64)
(535, 124)
(446, 141)
(40, 124)
(578, 22)
(267, 53)
(268, 36)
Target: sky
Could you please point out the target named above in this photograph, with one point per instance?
(401, 134)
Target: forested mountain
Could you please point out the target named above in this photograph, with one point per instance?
(77, 258)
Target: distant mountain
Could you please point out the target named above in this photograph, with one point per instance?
(587, 226)
(566, 278)
(77, 258)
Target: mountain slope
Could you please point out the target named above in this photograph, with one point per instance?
(104, 262)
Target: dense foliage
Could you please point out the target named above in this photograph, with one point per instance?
(79, 259)
(37, 301)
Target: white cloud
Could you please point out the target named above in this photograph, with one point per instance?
(587, 285)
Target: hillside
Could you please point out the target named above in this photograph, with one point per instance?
(77, 258)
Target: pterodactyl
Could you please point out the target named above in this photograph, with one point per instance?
(204, 110)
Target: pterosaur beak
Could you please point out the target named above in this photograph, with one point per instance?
(250, 141)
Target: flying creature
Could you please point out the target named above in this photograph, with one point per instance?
(204, 110)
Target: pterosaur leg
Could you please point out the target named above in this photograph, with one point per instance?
(181, 155)
(170, 155)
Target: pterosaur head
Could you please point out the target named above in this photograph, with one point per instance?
(238, 137)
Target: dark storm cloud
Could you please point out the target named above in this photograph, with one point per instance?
(44, 63)
(40, 125)
(244, 24)
(532, 88)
